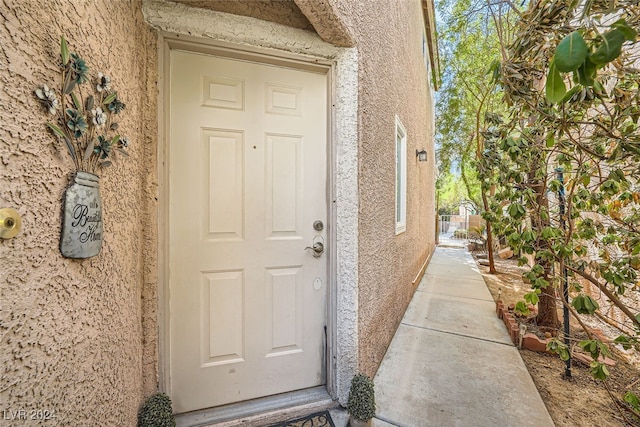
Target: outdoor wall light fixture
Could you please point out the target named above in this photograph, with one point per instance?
(421, 155)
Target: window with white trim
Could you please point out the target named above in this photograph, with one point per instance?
(425, 55)
(401, 177)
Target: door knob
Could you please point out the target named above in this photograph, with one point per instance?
(317, 248)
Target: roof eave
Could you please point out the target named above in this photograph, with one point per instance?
(428, 10)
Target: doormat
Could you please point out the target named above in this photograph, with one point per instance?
(319, 419)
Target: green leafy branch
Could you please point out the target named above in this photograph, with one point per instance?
(584, 119)
(574, 55)
(84, 122)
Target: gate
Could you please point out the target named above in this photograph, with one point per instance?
(454, 227)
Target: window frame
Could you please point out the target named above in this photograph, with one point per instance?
(400, 177)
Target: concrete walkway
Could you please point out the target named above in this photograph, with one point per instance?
(447, 240)
(451, 362)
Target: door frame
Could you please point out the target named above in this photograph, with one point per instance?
(170, 42)
(175, 24)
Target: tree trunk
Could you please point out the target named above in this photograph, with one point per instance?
(547, 317)
(485, 203)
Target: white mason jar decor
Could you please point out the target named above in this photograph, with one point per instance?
(84, 123)
(82, 223)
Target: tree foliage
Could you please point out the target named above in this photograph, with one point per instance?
(475, 32)
(567, 156)
(469, 42)
(452, 191)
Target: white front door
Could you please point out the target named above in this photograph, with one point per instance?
(247, 180)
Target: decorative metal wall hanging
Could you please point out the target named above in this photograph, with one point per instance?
(82, 223)
(84, 120)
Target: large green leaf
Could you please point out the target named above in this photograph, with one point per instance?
(584, 304)
(494, 70)
(555, 88)
(571, 53)
(623, 341)
(610, 48)
(532, 297)
(586, 73)
(566, 98)
(629, 33)
(632, 400)
(521, 308)
(516, 210)
(599, 370)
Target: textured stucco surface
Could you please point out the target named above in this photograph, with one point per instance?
(392, 81)
(329, 23)
(284, 12)
(71, 331)
(79, 338)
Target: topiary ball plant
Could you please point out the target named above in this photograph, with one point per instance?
(156, 412)
(361, 404)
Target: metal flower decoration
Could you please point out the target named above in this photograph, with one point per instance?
(84, 119)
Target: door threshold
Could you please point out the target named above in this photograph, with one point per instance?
(260, 412)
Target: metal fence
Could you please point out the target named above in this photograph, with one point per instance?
(454, 226)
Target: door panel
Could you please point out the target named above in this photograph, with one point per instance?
(284, 201)
(247, 179)
(223, 183)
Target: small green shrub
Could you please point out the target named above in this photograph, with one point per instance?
(460, 233)
(156, 412)
(361, 404)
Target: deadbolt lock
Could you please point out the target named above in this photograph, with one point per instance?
(318, 225)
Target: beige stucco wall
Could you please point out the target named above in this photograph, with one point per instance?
(71, 331)
(393, 81)
(283, 12)
(79, 338)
